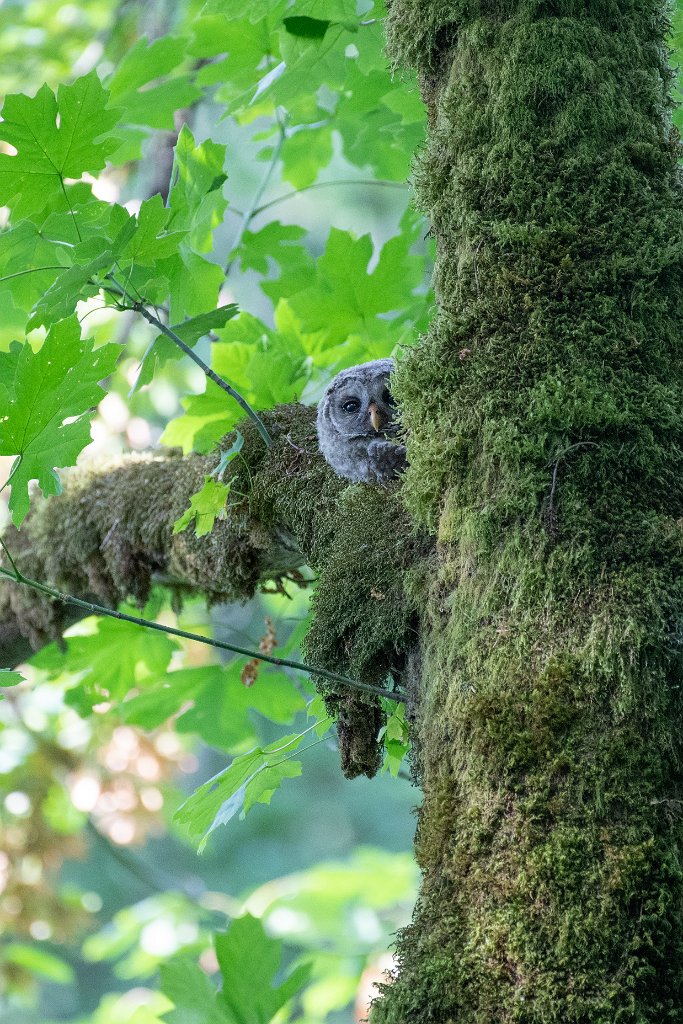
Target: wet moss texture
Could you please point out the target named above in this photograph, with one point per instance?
(545, 426)
(109, 536)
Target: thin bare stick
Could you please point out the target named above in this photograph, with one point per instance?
(251, 210)
(327, 184)
(140, 307)
(97, 609)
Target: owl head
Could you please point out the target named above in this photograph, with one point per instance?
(356, 420)
(358, 403)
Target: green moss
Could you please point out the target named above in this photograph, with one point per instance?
(545, 446)
(362, 546)
(111, 532)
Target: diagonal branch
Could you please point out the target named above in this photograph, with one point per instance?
(139, 306)
(97, 609)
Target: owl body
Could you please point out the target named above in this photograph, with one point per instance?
(356, 421)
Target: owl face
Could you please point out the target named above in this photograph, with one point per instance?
(356, 422)
(358, 403)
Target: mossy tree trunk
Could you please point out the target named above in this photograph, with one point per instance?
(544, 409)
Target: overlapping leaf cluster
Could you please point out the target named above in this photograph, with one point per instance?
(307, 84)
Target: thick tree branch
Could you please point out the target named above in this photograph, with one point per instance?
(109, 536)
(111, 532)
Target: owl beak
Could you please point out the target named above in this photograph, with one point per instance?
(375, 417)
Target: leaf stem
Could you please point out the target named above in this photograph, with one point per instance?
(97, 609)
(33, 270)
(253, 209)
(326, 184)
(140, 307)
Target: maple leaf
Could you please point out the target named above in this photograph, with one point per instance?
(45, 397)
(55, 137)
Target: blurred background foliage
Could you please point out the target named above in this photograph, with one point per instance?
(107, 913)
(301, 142)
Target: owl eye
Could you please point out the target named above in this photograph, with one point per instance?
(352, 405)
(386, 397)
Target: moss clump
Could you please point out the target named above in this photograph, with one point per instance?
(365, 617)
(361, 543)
(545, 442)
(110, 534)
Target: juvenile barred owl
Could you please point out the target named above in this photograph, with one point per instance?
(356, 423)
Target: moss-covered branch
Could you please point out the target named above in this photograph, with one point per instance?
(545, 430)
(110, 534)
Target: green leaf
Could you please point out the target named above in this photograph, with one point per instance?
(196, 207)
(396, 738)
(108, 662)
(193, 283)
(262, 365)
(39, 962)
(196, 199)
(206, 506)
(190, 331)
(305, 154)
(206, 419)
(151, 241)
(138, 88)
(75, 284)
(308, 28)
(250, 961)
(45, 401)
(87, 220)
(248, 44)
(23, 248)
(345, 299)
(192, 993)
(238, 787)
(275, 241)
(9, 678)
(55, 138)
(222, 706)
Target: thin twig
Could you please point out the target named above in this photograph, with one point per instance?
(326, 184)
(251, 210)
(33, 270)
(551, 515)
(97, 609)
(140, 307)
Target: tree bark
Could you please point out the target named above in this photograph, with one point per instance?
(545, 445)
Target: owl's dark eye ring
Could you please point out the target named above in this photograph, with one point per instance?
(352, 405)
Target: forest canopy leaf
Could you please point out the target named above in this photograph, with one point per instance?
(192, 993)
(196, 197)
(249, 779)
(221, 705)
(9, 678)
(75, 284)
(107, 662)
(308, 28)
(44, 406)
(147, 86)
(56, 137)
(190, 331)
(39, 962)
(250, 961)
